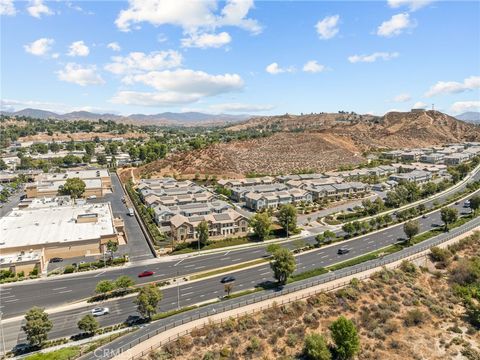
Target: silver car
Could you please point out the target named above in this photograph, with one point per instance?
(100, 311)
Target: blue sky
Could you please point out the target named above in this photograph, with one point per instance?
(240, 56)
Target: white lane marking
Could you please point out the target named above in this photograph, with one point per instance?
(187, 266)
(202, 295)
(6, 297)
(189, 293)
(227, 253)
(323, 257)
(60, 288)
(237, 259)
(9, 301)
(188, 288)
(65, 291)
(265, 273)
(200, 267)
(100, 274)
(178, 262)
(158, 275)
(188, 299)
(227, 258)
(371, 242)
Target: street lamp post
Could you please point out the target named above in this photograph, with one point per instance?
(4, 351)
(178, 293)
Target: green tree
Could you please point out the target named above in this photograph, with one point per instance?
(37, 326)
(147, 300)
(315, 348)
(75, 187)
(112, 247)
(90, 149)
(349, 228)
(449, 215)
(273, 248)
(261, 224)
(101, 159)
(123, 282)
(104, 286)
(3, 165)
(474, 203)
(287, 217)
(202, 230)
(345, 336)
(70, 160)
(411, 228)
(88, 324)
(283, 265)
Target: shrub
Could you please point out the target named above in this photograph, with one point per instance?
(69, 269)
(315, 348)
(345, 336)
(414, 317)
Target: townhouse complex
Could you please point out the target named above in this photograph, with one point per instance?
(180, 206)
(56, 227)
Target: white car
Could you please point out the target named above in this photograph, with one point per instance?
(100, 311)
(91, 197)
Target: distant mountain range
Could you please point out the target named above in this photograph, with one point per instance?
(470, 116)
(166, 118)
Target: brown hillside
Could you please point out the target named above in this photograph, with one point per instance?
(315, 142)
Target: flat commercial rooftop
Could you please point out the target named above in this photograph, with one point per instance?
(82, 174)
(48, 225)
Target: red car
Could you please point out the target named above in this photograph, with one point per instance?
(146, 273)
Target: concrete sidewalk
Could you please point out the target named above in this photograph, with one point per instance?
(167, 336)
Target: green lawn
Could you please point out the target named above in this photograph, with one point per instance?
(61, 354)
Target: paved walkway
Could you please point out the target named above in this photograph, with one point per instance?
(167, 336)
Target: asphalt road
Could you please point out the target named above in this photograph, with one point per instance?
(193, 292)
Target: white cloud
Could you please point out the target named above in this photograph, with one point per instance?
(463, 106)
(192, 16)
(153, 99)
(204, 41)
(188, 81)
(420, 105)
(37, 8)
(78, 48)
(114, 46)
(39, 47)
(80, 75)
(395, 26)
(274, 69)
(327, 28)
(7, 8)
(161, 38)
(180, 86)
(453, 87)
(373, 57)
(313, 66)
(402, 98)
(240, 107)
(413, 5)
(139, 61)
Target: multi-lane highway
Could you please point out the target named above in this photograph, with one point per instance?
(190, 292)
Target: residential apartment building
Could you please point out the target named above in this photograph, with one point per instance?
(338, 191)
(432, 158)
(261, 200)
(457, 158)
(417, 176)
(223, 225)
(239, 193)
(230, 183)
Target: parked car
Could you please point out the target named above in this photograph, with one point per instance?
(92, 197)
(100, 311)
(56, 260)
(145, 273)
(123, 200)
(466, 203)
(424, 216)
(130, 212)
(342, 251)
(227, 279)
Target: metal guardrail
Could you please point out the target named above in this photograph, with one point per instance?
(318, 280)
